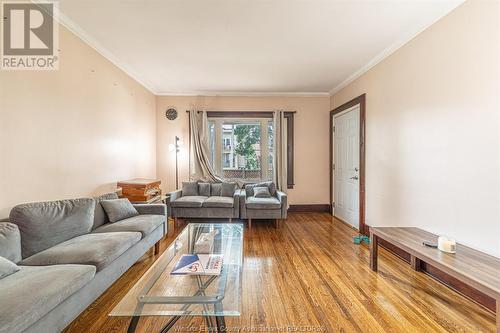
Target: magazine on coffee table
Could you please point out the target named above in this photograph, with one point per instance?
(198, 264)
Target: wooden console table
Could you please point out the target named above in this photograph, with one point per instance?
(472, 267)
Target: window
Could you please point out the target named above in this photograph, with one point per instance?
(211, 139)
(227, 161)
(244, 148)
(241, 145)
(227, 143)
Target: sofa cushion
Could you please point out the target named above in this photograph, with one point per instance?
(194, 201)
(204, 189)
(270, 185)
(219, 202)
(7, 267)
(261, 192)
(189, 189)
(99, 250)
(32, 292)
(45, 224)
(263, 203)
(144, 224)
(10, 241)
(228, 189)
(100, 216)
(215, 189)
(118, 209)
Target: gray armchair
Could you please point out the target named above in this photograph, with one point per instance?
(274, 207)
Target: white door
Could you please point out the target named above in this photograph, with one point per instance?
(346, 170)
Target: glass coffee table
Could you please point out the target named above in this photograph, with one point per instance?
(158, 293)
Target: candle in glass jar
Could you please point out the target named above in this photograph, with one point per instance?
(446, 244)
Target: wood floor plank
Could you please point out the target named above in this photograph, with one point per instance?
(308, 275)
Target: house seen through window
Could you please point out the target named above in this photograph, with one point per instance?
(239, 148)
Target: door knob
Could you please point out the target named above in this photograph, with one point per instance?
(355, 178)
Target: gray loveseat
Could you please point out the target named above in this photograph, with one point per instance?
(67, 254)
(205, 200)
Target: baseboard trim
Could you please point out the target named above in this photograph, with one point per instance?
(320, 208)
(463, 289)
(345, 223)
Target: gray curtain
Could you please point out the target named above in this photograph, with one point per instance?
(199, 160)
(280, 153)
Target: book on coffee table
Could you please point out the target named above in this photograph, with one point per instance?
(198, 264)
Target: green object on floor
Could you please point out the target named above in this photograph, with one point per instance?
(361, 238)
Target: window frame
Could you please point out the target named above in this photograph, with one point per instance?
(264, 159)
(289, 115)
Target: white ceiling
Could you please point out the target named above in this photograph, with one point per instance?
(248, 47)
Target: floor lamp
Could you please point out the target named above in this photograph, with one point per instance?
(177, 148)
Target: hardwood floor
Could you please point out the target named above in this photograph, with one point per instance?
(308, 276)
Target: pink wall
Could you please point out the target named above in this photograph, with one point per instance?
(311, 133)
(75, 131)
(433, 129)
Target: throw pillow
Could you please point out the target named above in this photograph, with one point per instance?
(100, 217)
(215, 189)
(261, 192)
(118, 209)
(7, 267)
(189, 189)
(204, 189)
(228, 189)
(269, 184)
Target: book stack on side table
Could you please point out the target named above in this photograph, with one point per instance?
(141, 190)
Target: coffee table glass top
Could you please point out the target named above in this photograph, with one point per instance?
(158, 293)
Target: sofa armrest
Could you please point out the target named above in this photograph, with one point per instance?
(175, 195)
(172, 197)
(151, 209)
(236, 203)
(283, 198)
(242, 198)
(10, 242)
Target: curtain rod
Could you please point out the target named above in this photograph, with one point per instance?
(245, 111)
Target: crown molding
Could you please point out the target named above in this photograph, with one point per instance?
(66, 22)
(80, 33)
(75, 29)
(387, 52)
(245, 94)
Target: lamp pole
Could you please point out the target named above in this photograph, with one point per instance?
(176, 162)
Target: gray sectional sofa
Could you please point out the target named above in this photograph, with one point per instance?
(224, 200)
(67, 254)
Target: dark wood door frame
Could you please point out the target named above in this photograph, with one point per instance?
(361, 100)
